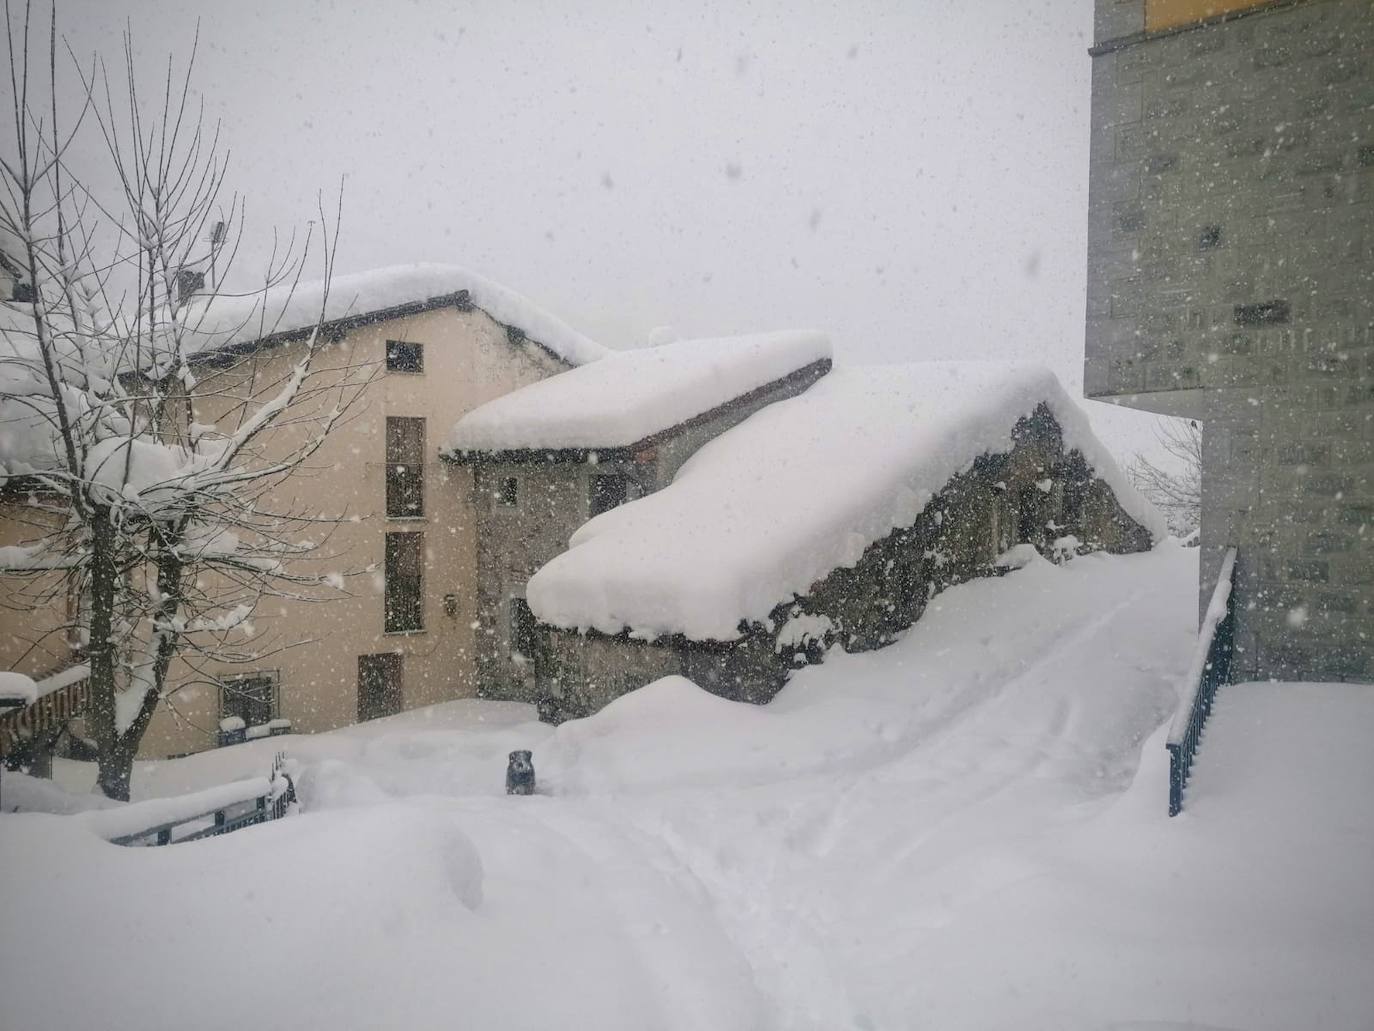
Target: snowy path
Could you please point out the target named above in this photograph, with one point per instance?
(949, 833)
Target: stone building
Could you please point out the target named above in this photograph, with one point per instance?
(547, 458)
(1231, 280)
(828, 517)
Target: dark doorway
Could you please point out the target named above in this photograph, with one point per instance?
(1030, 524)
(524, 633)
(379, 685)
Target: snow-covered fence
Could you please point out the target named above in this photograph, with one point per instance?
(1210, 668)
(202, 814)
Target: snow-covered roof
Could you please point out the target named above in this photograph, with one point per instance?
(631, 395)
(223, 321)
(16, 688)
(797, 490)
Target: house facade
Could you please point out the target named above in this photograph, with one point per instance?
(1231, 280)
(399, 631)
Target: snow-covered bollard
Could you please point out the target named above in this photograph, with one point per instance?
(520, 773)
(231, 731)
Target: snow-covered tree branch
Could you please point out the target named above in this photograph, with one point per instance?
(153, 455)
(1175, 486)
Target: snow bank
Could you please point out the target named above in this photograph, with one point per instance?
(222, 321)
(631, 395)
(138, 817)
(964, 830)
(797, 490)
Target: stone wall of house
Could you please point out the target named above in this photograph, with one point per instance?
(1231, 278)
(1034, 493)
(553, 499)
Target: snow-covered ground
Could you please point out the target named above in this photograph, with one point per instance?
(965, 830)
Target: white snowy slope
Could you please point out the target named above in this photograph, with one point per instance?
(964, 830)
(225, 321)
(797, 490)
(631, 395)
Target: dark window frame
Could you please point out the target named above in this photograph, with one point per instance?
(242, 701)
(405, 473)
(405, 356)
(403, 592)
(524, 633)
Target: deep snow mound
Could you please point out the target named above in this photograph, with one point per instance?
(797, 490)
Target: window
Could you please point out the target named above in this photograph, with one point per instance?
(403, 356)
(405, 467)
(404, 605)
(379, 686)
(607, 492)
(523, 634)
(508, 493)
(251, 697)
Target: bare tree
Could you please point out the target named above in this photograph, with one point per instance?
(1175, 488)
(162, 435)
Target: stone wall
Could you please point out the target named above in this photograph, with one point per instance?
(1033, 494)
(1231, 256)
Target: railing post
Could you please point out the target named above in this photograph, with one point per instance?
(1211, 667)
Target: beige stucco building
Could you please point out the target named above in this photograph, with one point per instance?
(401, 534)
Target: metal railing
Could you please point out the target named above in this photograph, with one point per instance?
(1210, 668)
(217, 811)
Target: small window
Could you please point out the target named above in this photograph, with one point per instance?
(404, 603)
(251, 697)
(403, 356)
(508, 493)
(523, 633)
(1265, 313)
(405, 467)
(608, 491)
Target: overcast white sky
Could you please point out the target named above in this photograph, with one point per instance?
(909, 176)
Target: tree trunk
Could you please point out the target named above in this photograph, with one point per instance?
(114, 767)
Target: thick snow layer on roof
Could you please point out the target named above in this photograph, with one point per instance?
(631, 395)
(227, 321)
(16, 687)
(797, 490)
